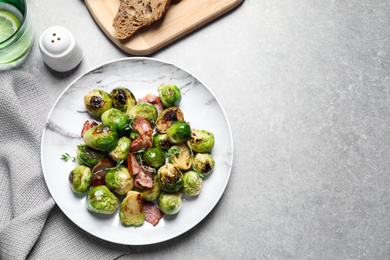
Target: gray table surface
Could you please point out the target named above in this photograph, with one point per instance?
(305, 85)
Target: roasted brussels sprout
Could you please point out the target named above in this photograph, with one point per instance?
(203, 163)
(117, 120)
(101, 200)
(145, 110)
(161, 141)
(167, 117)
(170, 95)
(153, 193)
(131, 212)
(123, 99)
(119, 153)
(170, 203)
(178, 132)
(101, 137)
(170, 178)
(180, 155)
(192, 183)
(201, 141)
(154, 157)
(97, 102)
(119, 180)
(80, 179)
(89, 156)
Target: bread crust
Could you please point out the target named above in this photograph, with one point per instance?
(133, 15)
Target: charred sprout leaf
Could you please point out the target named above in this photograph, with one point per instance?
(119, 180)
(117, 120)
(178, 132)
(181, 156)
(101, 137)
(123, 99)
(101, 200)
(201, 141)
(203, 163)
(170, 203)
(89, 156)
(170, 95)
(131, 212)
(145, 110)
(97, 102)
(80, 179)
(167, 117)
(192, 183)
(161, 141)
(170, 178)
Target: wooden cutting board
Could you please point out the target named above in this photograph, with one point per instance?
(182, 17)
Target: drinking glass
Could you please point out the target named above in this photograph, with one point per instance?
(14, 50)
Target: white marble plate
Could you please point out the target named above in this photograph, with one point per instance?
(141, 76)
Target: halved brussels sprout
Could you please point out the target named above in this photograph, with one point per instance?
(101, 200)
(170, 95)
(97, 102)
(201, 141)
(131, 212)
(153, 193)
(145, 110)
(119, 153)
(123, 99)
(101, 137)
(180, 155)
(167, 117)
(170, 178)
(178, 132)
(89, 156)
(117, 120)
(154, 157)
(119, 180)
(203, 163)
(170, 203)
(192, 183)
(161, 141)
(80, 179)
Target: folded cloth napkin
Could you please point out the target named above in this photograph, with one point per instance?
(31, 225)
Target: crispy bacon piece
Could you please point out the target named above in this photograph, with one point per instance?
(103, 164)
(152, 213)
(142, 141)
(142, 126)
(154, 100)
(98, 179)
(133, 165)
(87, 125)
(99, 174)
(144, 179)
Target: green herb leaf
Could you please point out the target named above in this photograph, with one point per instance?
(66, 157)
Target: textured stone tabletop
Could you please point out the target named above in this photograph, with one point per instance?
(306, 88)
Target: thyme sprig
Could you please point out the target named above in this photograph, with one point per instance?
(66, 157)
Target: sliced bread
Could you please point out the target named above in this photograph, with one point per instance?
(135, 14)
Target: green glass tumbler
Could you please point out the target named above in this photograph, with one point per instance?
(14, 48)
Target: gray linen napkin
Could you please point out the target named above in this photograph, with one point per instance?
(31, 225)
